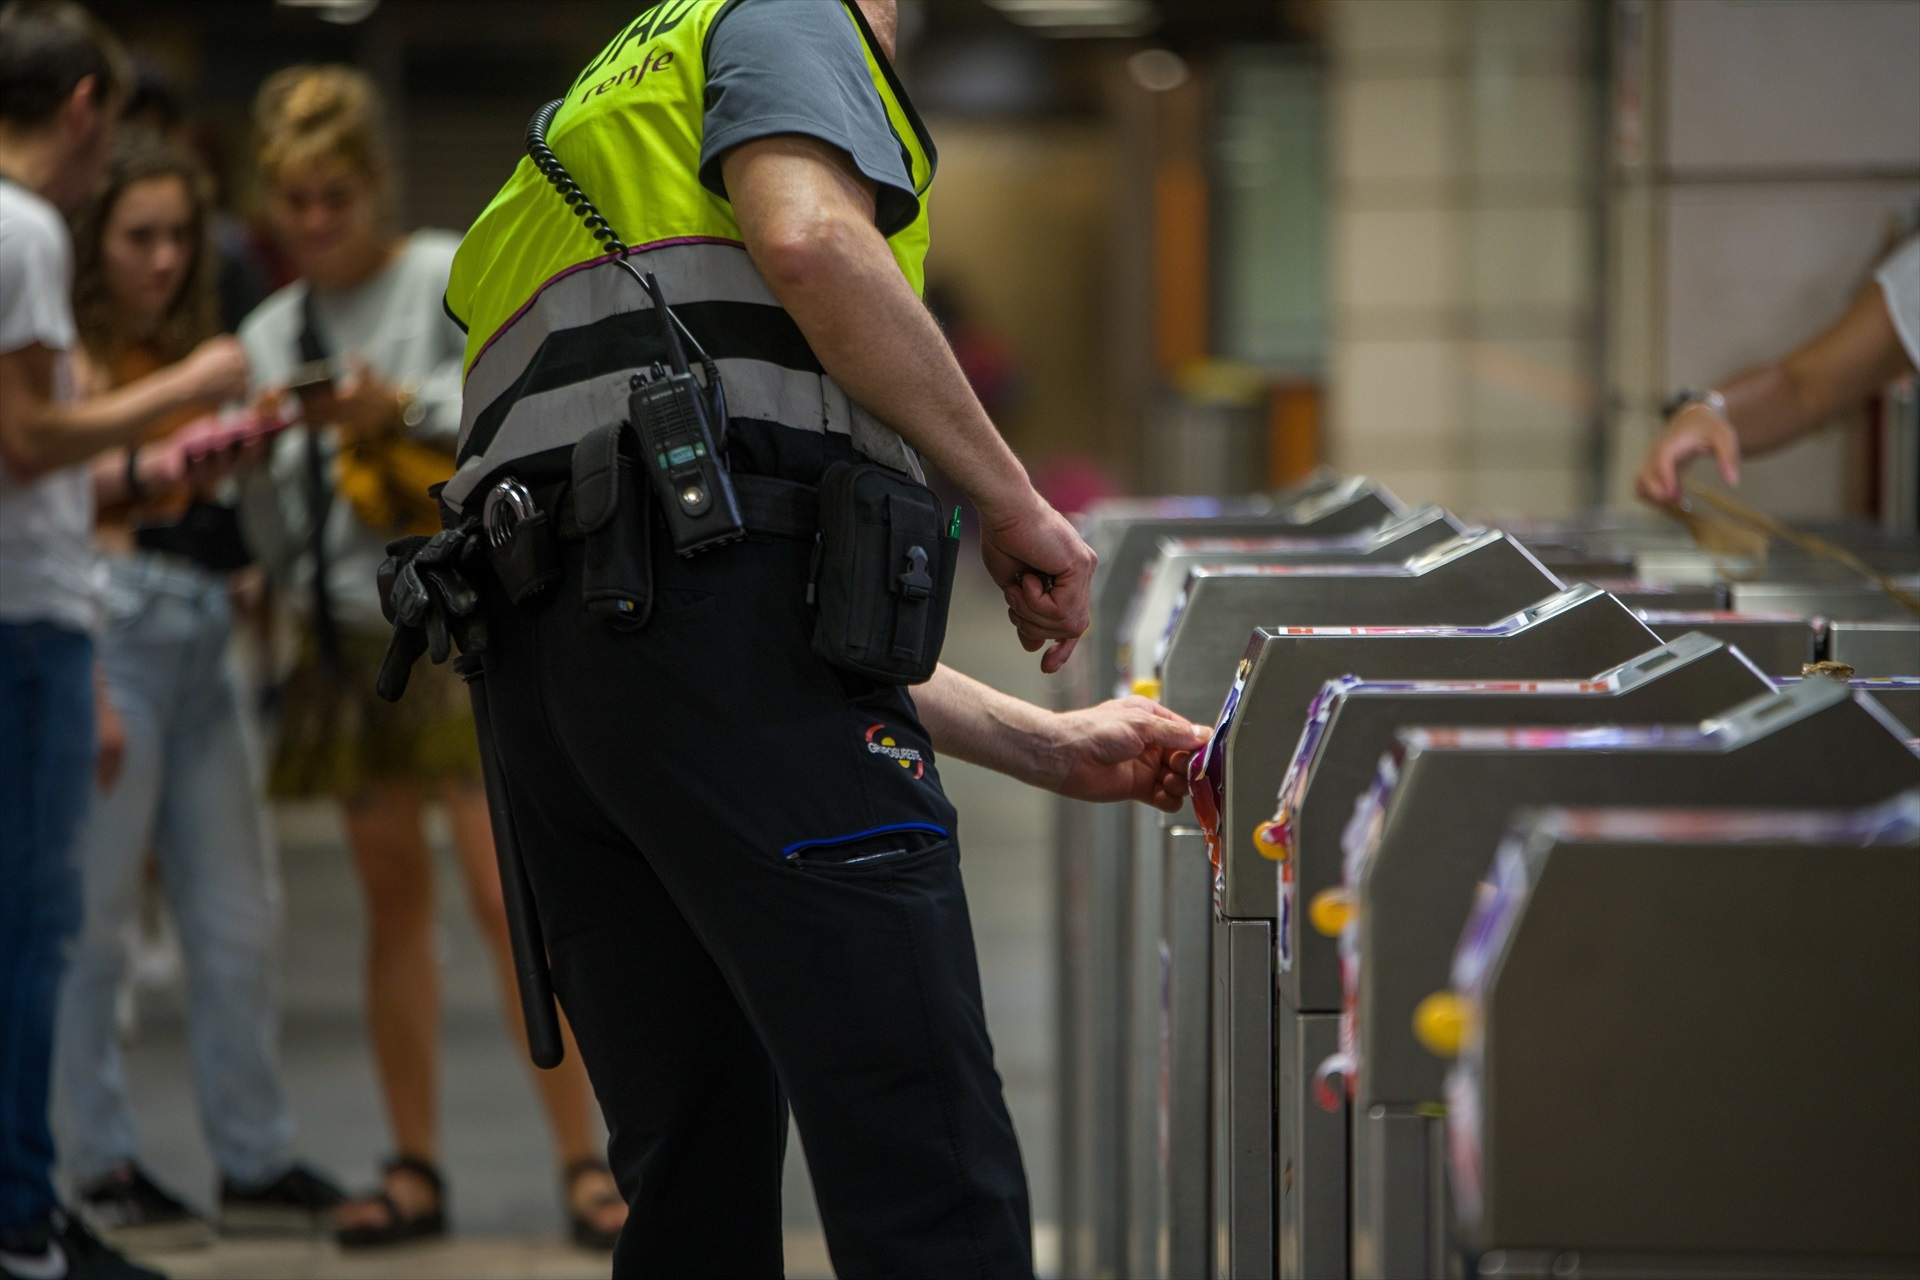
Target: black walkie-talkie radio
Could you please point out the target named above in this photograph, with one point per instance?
(673, 415)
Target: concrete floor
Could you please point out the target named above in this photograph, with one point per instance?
(504, 1191)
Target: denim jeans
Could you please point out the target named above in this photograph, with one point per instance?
(46, 758)
(189, 791)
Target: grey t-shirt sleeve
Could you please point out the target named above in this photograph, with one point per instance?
(796, 66)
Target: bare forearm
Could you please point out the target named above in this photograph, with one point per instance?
(1773, 404)
(977, 723)
(47, 434)
(807, 219)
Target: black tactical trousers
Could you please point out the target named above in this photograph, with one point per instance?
(749, 879)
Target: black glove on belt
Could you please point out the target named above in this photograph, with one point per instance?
(425, 594)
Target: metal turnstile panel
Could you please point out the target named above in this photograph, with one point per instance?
(1424, 836)
(1876, 648)
(1742, 1060)
(1400, 1225)
(1686, 679)
(1899, 696)
(1428, 834)
(1311, 1222)
(1779, 644)
(1464, 581)
(1573, 633)
(1153, 604)
(1185, 1040)
(1091, 867)
(1703, 597)
(1853, 601)
(1243, 1201)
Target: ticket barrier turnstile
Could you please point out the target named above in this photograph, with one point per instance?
(1145, 622)
(1352, 720)
(1850, 600)
(1705, 597)
(1087, 886)
(1470, 577)
(1420, 843)
(1889, 648)
(1761, 959)
(1780, 644)
(1898, 695)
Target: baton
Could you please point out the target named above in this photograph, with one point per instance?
(523, 920)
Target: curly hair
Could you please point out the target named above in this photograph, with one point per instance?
(193, 313)
(306, 112)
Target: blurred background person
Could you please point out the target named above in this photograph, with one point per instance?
(62, 80)
(189, 782)
(368, 304)
(1771, 405)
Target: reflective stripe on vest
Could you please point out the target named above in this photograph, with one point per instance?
(554, 331)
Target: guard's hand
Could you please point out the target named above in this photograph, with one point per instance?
(1045, 572)
(1127, 749)
(1691, 433)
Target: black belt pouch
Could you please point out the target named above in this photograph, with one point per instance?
(883, 574)
(611, 507)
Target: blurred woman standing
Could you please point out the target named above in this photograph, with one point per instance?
(144, 299)
(364, 341)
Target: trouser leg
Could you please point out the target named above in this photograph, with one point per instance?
(715, 744)
(222, 878)
(46, 753)
(696, 1121)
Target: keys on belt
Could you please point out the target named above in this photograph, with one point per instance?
(520, 540)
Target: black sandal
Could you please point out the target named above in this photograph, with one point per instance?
(580, 1226)
(399, 1228)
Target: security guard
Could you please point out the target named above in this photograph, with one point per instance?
(745, 869)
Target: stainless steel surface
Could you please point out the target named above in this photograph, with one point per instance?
(1779, 643)
(1146, 616)
(1743, 1059)
(1243, 1199)
(1435, 827)
(1466, 580)
(1876, 648)
(1686, 679)
(1572, 633)
(1703, 597)
(1898, 695)
(1850, 600)
(1399, 1194)
(1311, 1224)
(1486, 572)
(1091, 865)
(1185, 1040)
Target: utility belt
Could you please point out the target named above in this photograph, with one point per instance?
(879, 586)
(882, 570)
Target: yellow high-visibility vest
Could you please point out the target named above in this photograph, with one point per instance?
(555, 326)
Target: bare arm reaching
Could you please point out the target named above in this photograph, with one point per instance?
(808, 219)
(1127, 749)
(39, 433)
(1774, 404)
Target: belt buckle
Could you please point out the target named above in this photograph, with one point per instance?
(507, 504)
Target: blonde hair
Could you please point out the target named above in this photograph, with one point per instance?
(307, 113)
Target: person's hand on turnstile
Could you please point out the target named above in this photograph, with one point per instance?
(1698, 429)
(1126, 749)
(1044, 569)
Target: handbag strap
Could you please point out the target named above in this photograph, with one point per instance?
(326, 627)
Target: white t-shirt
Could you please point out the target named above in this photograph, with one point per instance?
(1899, 278)
(48, 571)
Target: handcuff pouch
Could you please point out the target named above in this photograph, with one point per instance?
(610, 506)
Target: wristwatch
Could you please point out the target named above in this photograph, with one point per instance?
(1684, 397)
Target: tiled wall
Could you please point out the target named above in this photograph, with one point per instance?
(1464, 149)
(1779, 149)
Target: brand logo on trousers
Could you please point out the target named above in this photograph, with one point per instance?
(880, 744)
